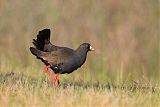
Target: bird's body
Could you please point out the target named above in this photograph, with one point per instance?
(60, 59)
(66, 59)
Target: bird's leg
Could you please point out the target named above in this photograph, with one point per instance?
(58, 82)
(51, 76)
(57, 75)
(56, 79)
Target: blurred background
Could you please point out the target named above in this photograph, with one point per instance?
(125, 34)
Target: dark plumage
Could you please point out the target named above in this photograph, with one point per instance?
(59, 59)
(43, 41)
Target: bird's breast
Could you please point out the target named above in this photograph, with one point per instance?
(71, 64)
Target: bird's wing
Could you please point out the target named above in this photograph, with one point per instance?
(58, 57)
(43, 41)
(43, 38)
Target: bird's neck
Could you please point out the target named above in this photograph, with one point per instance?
(82, 54)
(81, 51)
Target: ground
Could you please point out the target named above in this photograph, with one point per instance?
(19, 90)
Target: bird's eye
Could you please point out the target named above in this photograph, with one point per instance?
(88, 46)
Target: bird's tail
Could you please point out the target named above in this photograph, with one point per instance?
(43, 38)
(36, 52)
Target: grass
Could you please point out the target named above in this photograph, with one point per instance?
(21, 90)
(23, 86)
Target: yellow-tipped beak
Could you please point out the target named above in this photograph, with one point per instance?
(91, 48)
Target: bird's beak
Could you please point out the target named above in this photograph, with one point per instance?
(91, 48)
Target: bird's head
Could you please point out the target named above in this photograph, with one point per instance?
(86, 46)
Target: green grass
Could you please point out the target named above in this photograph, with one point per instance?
(20, 90)
(23, 86)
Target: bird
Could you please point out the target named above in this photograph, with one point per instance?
(62, 60)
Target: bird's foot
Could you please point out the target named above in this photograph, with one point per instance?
(52, 78)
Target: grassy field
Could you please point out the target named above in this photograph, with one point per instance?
(32, 87)
(18, 90)
(124, 71)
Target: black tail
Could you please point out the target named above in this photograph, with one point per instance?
(36, 52)
(43, 38)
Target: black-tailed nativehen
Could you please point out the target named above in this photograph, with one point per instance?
(60, 59)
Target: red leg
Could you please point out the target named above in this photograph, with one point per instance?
(57, 75)
(58, 82)
(51, 76)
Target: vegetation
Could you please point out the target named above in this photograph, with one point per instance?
(23, 91)
(122, 72)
